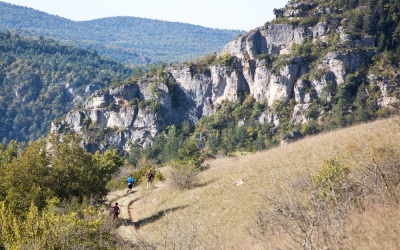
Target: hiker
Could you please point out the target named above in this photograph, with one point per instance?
(150, 177)
(130, 181)
(115, 210)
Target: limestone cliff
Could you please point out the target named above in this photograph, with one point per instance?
(266, 65)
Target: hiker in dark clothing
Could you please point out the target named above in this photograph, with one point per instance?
(150, 177)
(115, 210)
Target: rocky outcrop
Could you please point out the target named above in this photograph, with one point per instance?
(265, 67)
(389, 90)
(275, 40)
(114, 113)
(340, 63)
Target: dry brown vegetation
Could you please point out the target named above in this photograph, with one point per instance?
(243, 202)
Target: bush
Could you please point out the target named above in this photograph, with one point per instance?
(184, 175)
(329, 180)
(303, 217)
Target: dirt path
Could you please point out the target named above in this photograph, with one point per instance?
(126, 228)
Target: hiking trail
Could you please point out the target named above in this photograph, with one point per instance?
(126, 227)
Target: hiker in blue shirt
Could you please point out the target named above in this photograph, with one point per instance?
(130, 181)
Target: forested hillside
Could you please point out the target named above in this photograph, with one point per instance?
(126, 39)
(41, 80)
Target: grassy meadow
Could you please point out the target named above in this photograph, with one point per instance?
(223, 210)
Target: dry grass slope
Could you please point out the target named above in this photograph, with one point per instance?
(219, 213)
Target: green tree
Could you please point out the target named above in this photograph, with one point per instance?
(187, 165)
(26, 179)
(174, 141)
(73, 170)
(361, 113)
(7, 154)
(107, 164)
(190, 153)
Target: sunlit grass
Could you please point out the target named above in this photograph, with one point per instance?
(223, 206)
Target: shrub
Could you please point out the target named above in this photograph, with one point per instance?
(226, 59)
(329, 180)
(184, 175)
(300, 217)
(311, 212)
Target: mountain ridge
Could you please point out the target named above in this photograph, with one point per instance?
(130, 44)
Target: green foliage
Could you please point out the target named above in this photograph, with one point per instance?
(63, 170)
(309, 52)
(157, 69)
(234, 127)
(74, 171)
(284, 110)
(190, 154)
(329, 179)
(135, 154)
(7, 154)
(165, 145)
(45, 192)
(310, 128)
(107, 163)
(362, 113)
(153, 102)
(268, 59)
(26, 179)
(202, 65)
(112, 106)
(226, 59)
(83, 229)
(279, 63)
(36, 77)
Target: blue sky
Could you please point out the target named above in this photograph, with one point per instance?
(222, 14)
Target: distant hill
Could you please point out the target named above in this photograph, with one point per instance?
(41, 80)
(126, 39)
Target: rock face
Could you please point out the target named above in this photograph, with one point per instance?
(275, 39)
(135, 113)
